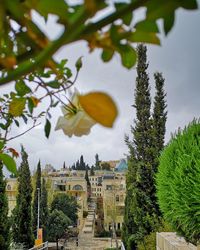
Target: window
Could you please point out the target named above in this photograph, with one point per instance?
(8, 187)
(118, 226)
(77, 187)
(117, 198)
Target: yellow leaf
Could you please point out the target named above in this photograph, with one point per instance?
(35, 101)
(17, 106)
(99, 106)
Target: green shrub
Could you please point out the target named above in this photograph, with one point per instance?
(149, 242)
(178, 182)
(85, 214)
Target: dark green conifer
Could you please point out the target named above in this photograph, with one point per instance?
(4, 224)
(97, 162)
(35, 199)
(140, 213)
(159, 113)
(82, 163)
(44, 212)
(22, 224)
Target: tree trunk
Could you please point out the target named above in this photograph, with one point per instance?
(114, 235)
(57, 243)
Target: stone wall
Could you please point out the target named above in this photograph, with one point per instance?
(170, 241)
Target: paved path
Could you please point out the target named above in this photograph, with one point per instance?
(86, 240)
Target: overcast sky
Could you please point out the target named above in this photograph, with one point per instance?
(178, 59)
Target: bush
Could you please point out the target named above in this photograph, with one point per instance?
(178, 182)
(85, 214)
(150, 240)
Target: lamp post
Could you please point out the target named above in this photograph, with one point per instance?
(38, 213)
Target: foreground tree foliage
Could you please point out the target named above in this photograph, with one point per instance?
(22, 214)
(68, 205)
(4, 221)
(178, 182)
(141, 210)
(27, 54)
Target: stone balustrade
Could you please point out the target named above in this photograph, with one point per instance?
(170, 241)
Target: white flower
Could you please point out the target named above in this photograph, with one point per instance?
(75, 120)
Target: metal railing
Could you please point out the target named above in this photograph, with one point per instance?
(40, 247)
(122, 246)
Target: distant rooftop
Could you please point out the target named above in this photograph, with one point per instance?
(121, 166)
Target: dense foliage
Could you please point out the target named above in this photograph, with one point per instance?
(58, 224)
(22, 224)
(68, 205)
(44, 212)
(178, 182)
(4, 222)
(141, 210)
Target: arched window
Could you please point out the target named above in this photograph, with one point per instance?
(77, 187)
(8, 187)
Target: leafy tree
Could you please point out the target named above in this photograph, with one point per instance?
(67, 204)
(22, 227)
(44, 212)
(4, 222)
(35, 200)
(77, 165)
(141, 208)
(58, 223)
(97, 162)
(92, 173)
(105, 166)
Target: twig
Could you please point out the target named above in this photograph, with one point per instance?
(34, 125)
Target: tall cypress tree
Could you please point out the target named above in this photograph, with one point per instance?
(97, 162)
(140, 208)
(22, 227)
(44, 212)
(82, 163)
(4, 224)
(35, 200)
(159, 113)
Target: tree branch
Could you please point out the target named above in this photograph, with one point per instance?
(70, 34)
(11, 138)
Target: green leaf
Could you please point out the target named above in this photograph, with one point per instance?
(16, 122)
(189, 5)
(1, 145)
(68, 72)
(53, 84)
(144, 37)
(147, 26)
(17, 106)
(126, 18)
(47, 128)
(107, 55)
(9, 163)
(79, 63)
(128, 56)
(25, 119)
(168, 23)
(21, 88)
(30, 105)
(59, 8)
(157, 9)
